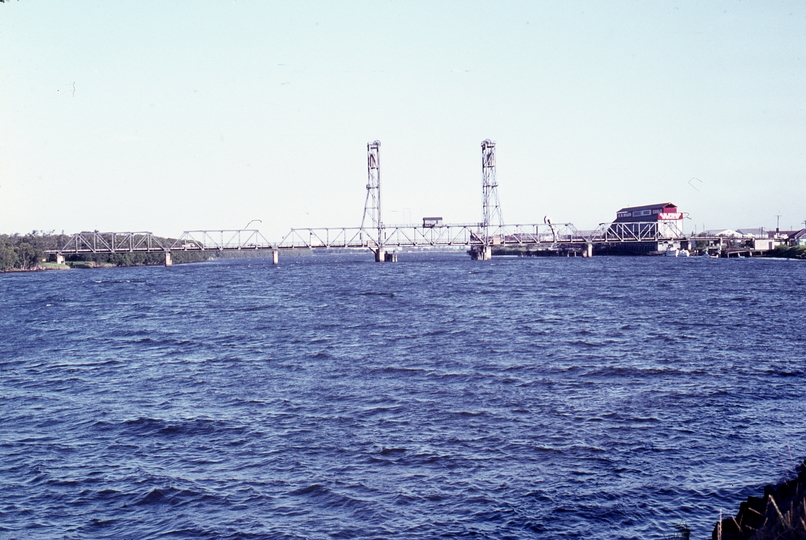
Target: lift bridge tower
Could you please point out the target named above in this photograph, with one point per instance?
(372, 206)
(491, 207)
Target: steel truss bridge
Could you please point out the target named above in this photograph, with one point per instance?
(382, 239)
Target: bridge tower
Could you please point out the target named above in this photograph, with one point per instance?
(491, 207)
(372, 206)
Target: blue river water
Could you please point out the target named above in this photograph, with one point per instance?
(333, 397)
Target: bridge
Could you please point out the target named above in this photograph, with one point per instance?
(382, 239)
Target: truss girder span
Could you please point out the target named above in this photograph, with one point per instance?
(111, 242)
(344, 237)
(649, 231)
(221, 240)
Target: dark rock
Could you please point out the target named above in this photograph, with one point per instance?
(778, 514)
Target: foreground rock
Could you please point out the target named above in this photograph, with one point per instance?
(779, 514)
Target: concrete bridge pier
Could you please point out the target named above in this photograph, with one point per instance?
(381, 255)
(169, 261)
(275, 256)
(481, 253)
(588, 250)
(59, 258)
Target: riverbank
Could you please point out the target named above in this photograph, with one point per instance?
(789, 252)
(29, 253)
(81, 265)
(780, 513)
(573, 250)
(44, 267)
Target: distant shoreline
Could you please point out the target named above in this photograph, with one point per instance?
(29, 253)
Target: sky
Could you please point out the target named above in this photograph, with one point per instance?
(167, 116)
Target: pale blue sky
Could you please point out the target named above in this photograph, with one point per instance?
(172, 115)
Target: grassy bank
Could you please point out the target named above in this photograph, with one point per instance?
(789, 252)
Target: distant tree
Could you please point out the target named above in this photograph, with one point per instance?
(120, 259)
(8, 257)
(28, 256)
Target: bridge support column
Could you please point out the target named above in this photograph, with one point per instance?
(588, 250)
(380, 255)
(168, 259)
(59, 258)
(481, 253)
(275, 256)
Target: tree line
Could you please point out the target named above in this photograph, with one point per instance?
(27, 252)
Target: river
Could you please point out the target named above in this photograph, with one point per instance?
(333, 397)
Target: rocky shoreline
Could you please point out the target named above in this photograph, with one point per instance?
(780, 514)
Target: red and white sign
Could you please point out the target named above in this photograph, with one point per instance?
(670, 216)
